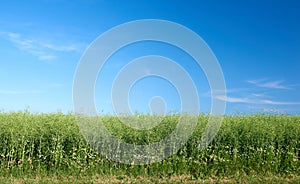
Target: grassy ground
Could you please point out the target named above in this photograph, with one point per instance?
(142, 179)
(48, 148)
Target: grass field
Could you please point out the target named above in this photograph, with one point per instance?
(48, 148)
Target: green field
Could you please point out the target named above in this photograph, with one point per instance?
(48, 148)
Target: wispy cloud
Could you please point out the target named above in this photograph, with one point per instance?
(233, 99)
(264, 83)
(60, 48)
(17, 92)
(42, 50)
(258, 96)
(271, 102)
(254, 101)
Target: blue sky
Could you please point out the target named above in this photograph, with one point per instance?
(257, 44)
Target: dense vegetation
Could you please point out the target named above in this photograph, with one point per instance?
(51, 145)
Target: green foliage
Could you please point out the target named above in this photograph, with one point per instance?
(245, 145)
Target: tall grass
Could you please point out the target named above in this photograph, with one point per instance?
(245, 145)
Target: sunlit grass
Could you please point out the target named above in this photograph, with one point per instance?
(51, 144)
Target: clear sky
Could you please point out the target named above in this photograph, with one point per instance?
(257, 44)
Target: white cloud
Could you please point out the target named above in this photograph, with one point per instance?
(61, 48)
(254, 101)
(233, 99)
(260, 96)
(44, 57)
(43, 51)
(257, 94)
(278, 84)
(270, 102)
